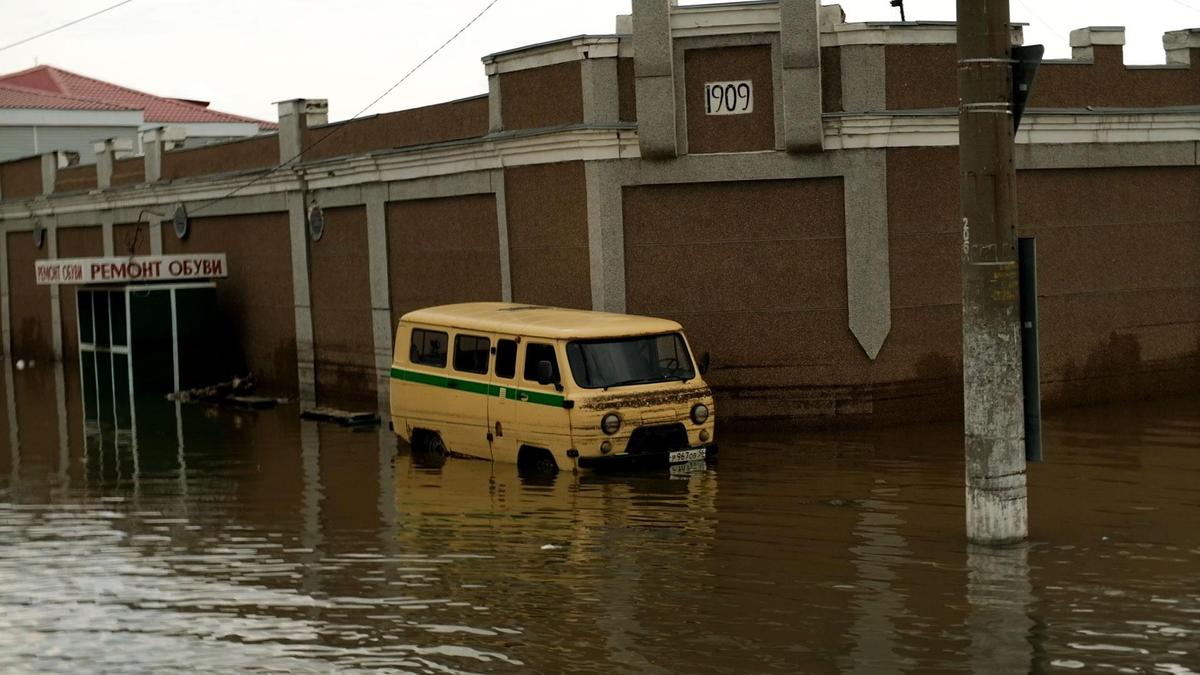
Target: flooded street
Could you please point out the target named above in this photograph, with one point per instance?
(191, 538)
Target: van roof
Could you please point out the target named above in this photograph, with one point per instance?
(538, 321)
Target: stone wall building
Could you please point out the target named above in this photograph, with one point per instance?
(781, 182)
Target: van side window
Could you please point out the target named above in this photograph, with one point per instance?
(428, 348)
(471, 353)
(506, 359)
(535, 352)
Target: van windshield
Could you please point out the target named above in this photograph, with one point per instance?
(615, 362)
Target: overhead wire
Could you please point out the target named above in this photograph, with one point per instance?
(1045, 23)
(81, 19)
(334, 131)
(1181, 3)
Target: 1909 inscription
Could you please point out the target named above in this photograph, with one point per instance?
(729, 98)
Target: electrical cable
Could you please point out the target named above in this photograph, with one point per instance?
(342, 125)
(1181, 3)
(1045, 23)
(65, 25)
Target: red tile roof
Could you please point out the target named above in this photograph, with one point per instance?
(13, 97)
(158, 110)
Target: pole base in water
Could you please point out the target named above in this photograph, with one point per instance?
(997, 510)
(993, 415)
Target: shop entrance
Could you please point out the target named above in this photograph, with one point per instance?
(144, 339)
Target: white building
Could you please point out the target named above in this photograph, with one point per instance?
(46, 108)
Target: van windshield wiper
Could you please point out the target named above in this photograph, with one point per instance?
(640, 380)
(645, 380)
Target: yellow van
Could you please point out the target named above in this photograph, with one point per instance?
(549, 388)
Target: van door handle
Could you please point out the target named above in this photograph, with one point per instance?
(451, 384)
(523, 397)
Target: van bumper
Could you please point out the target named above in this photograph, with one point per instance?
(642, 460)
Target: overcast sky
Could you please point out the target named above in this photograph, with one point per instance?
(245, 54)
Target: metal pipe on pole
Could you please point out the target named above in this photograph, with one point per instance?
(996, 504)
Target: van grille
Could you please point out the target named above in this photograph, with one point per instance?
(658, 438)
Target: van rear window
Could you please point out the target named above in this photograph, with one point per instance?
(428, 348)
(471, 353)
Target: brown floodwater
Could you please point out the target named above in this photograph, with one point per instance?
(184, 537)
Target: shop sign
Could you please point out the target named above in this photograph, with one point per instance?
(729, 98)
(127, 269)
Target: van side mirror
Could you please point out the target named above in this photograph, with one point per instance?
(705, 361)
(545, 373)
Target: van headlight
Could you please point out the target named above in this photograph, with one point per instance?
(610, 423)
(699, 413)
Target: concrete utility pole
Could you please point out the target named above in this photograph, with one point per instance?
(997, 511)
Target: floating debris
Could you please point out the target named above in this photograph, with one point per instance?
(235, 393)
(342, 417)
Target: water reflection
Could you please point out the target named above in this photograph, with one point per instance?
(879, 602)
(189, 537)
(1000, 595)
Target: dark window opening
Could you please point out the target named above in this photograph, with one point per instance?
(471, 353)
(506, 359)
(119, 338)
(533, 354)
(428, 348)
(101, 315)
(87, 333)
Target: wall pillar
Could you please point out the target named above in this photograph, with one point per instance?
(50, 172)
(375, 198)
(152, 149)
(295, 116)
(64, 435)
(108, 152)
(106, 233)
(56, 323)
(498, 188)
(606, 237)
(495, 110)
(1084, 40)
(654, 78)
(1179, 45)
(156, 243)
(302, 299)
(104, 165)
(5, 313)
(154, 143)
(868, 262)
(800, 42)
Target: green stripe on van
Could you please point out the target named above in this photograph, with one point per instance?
(510, 393)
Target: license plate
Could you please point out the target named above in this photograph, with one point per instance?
(686, 456)
(688, 468)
